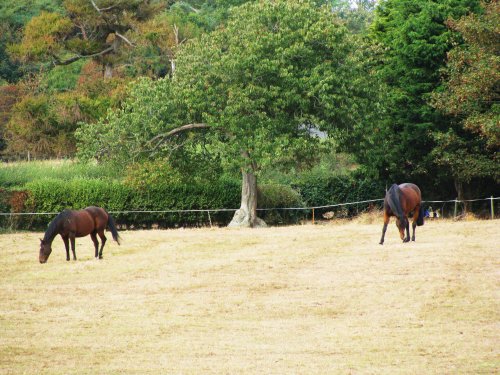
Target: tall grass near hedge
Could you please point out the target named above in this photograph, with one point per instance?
(18, 174)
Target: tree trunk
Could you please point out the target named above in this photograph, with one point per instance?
(459, 187)
(108, 70)
(246, 216)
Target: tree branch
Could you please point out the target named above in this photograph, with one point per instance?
(189, 6)
(125, 39)
(160, 138)
(100, 10)
(78, 57)
(180, 129)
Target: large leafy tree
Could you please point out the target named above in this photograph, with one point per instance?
(86, 29)
(415, 41)
(470, 95)
(259, 88)
(13, 17)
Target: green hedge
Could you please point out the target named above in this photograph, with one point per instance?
(53, 195)
(327, 190)
(56, 195)
(4, 207)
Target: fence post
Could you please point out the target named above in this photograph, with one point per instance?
(209, 218)
(313, 216)
(455, 210)
(492, 208)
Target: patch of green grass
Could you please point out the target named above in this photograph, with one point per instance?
(19, 173)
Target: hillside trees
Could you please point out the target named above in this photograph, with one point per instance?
(88, 29)
(42, 121)
(256, 88)
(470, 94)
(60, 50)
(414, 40)
(13, 17)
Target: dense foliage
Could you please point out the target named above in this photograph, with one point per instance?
(470, 95)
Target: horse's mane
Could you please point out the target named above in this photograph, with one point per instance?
(393, 200)
(51, 231)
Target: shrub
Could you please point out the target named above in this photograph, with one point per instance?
(326, 190)
(273, 198)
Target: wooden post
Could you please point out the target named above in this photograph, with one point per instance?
(313, 216)
(209, 218)
(492, 208)
(455, 211)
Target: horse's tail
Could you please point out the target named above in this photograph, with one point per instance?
(421, 214)
(392, 198)
(112, 228)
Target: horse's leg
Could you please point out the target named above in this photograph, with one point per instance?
(103, 241)
(66, 245)
(93, 236)
(407, 239)
(384, 228)
(72, 239)
(414, 223)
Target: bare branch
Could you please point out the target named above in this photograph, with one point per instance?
(84, 33)
(100, 10)
(125, 39)
(95, 6)
(78, 57)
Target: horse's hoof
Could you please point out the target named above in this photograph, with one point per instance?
(381, 243)
(100, 257)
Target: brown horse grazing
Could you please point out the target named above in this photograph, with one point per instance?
(400, 201)
(71, 224)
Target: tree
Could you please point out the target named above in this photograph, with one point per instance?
(41, 121)
(415, 40)
(13, 16)
(89, 29)
(257, 86)
(157, 42)
(470, 94)
(357, 14)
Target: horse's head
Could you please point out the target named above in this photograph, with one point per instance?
(45, 250)
(401, 224)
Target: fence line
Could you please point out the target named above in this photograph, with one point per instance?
(259, 209)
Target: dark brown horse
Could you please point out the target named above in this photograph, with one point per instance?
(71, 224)
(400, 201)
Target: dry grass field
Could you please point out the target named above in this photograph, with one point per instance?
(324, 299)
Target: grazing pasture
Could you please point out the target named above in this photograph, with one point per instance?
(306, 299)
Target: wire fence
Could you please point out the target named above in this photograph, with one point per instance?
(485, 208)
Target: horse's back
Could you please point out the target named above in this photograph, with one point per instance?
(86, 221)
(412, 195)
(409, 185)
(99, 215)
